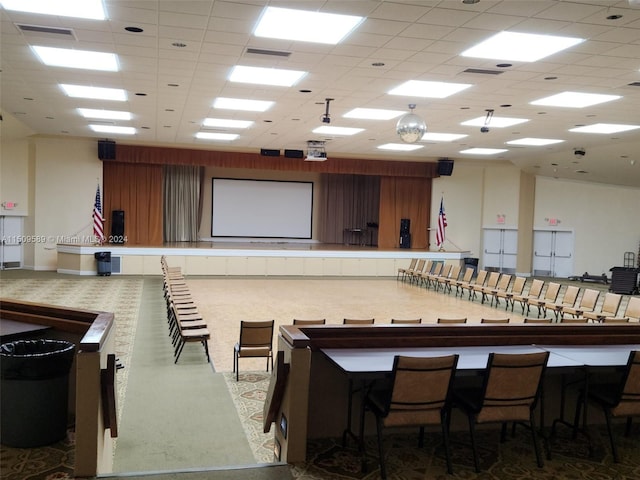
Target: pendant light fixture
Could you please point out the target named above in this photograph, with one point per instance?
(411, 127)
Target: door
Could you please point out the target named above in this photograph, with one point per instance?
(11, 247)
(552, 253)
(500, 249)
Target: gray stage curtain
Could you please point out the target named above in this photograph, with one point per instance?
(182, 203)
(348, 202)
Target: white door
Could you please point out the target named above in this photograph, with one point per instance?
(500, 249)
(552, 253)
(11, 248)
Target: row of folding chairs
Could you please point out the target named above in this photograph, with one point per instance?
(186, 324)
(496, 287)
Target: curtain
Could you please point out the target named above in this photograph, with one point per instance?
(348, 202)
(404, 198)
(182, 202)
(135, 189)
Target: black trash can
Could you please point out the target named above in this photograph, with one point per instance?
(104, 262)
(471, 262)
(34, 391)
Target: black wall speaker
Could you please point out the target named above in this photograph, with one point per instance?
(106, 150)
(267, 152)
(117, 226)
(405, 226)
(405, 240)
(445, 167)
(294, 153)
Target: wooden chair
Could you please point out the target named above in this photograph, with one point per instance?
(480, 279)
(538, 320)
(402, 272)
(516, 289)
(465, 280)
(632, 310)
(424, 277)
(574, 320)
(189, 334)
(615, 320)
(501, 286)
(256, 340)
(358, 321)
(490, 284)
(406, 320)
(568, 300)
(302, 323)
(420, 395)
(447, 276)
(414, 275)
(587, 303)
(495, 320)
(451, 279)
(617, 399)
(609, 308)
(535, 291)
(510, 393)
(550, 296)
(445, 271)
(452, 320)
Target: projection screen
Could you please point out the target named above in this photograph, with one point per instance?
(261, 208)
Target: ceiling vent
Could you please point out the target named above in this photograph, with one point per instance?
(483, 71)
(42, 31)
(273, 53)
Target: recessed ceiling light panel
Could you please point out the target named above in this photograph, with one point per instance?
(534, 142)
(90, 9)
(104, 114)
(520, 47)
(373, 114)
(604, 128)
(305, 26)
(575, 99)
(496, 122)
(484, 151)
(113, 129)
(217, 136)
(97, 93)
(243, 104)
(265, 76)
(69, 58)
(226, 123)
(400, 147)
(426, 89)
(442, 137)
(326, 130)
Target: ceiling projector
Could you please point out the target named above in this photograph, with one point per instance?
(316, 151)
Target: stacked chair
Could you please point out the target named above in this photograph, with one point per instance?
(186, 325)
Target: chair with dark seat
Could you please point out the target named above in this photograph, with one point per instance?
(406, 320)
(609, 308)
(315, 321)
(619, 399)
(419, 395)
(358, 321)
(510, 393)
(256, 340)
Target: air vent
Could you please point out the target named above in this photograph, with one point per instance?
(482, 71)
(273, 53)
(42, 31)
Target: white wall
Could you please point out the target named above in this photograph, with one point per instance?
(14, 165)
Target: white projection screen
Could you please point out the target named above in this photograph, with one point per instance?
(261, 208)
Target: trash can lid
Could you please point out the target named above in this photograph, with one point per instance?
(36, 359)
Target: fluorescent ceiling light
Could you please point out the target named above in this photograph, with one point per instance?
(400, 147)
(216, 136)
(484, 151)
(225, 123)
(113, 129)
(604, 128)
(265, 76)
(337, 130)
(495, 122)
(520, 47)
(69, 58)
(97, 93)
(575, 99)
(242, 104)
(425, 89)
(305, 26)
(91, 9)
(373, 114)
(442, 137)
(534, 142)
(104, 114)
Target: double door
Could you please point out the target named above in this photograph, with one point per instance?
(553, 253)
(11, 242)
(500, 249)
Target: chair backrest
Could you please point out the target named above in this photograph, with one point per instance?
(428, 266)
(468, 274)
(406, 320)
(511, 386)
(518, 285)
(420, 265)
(437, 268)
(494, 320)
(570, 296)
(415, 406)
(536, 288)
(301, 322)
(446, 270)
(589, 299)
(538, 320)
(494, 278)
(633, 308)
(413, 263)
(481, 278)
(504, 282)
(358, 321)
(610, 304)
(256, 334)
(573, 320)
(452, 320)
(551, 295)
(629, 403)
(455, 272)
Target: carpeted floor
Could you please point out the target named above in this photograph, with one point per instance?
(327, 459)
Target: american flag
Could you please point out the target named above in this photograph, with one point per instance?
(98, 220)
(442, 223)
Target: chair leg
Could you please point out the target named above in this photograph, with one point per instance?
(576, 418)
(614, 450)
(421, 437)
(627, 430)
(445, 439)
(205, 344)
(383, 468)
(534, 437)
(472, 433)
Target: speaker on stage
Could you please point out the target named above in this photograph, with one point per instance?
(405, 240)
(405, 225)
(117, 226)
(445, 167)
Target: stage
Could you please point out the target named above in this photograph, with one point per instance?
(248, 259)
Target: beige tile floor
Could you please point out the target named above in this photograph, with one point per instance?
(224, 302)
